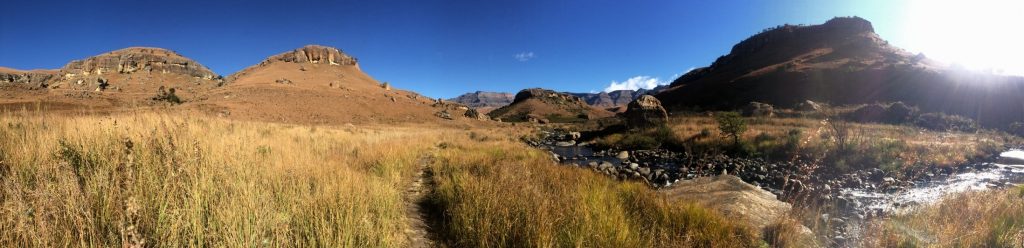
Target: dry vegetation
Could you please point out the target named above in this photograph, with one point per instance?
(501, 194)
(881, 145)
(178, 181)
(973, 219)
(151, 179)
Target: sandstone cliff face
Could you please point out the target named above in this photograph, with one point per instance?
(313, 54)
(136, 59)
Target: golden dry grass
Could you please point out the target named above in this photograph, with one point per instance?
(199, 181)
(503, 194)
(971, 219)
(904, 145)
(189, 181)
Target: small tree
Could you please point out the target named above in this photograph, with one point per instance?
(732, 125)
(840, 130)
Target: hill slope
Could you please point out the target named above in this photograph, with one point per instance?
(317, 84)
(121, 78)
(842, 62)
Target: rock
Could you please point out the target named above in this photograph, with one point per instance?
(443, 114)
(634, 166)
(756, 109)
(573, 135)
(646, 172)
(604, 166)
(482, 99)
(474, 114)
(645, 112)
(565, 143)
(733, 198)
(623, 155)
(1010, 160)
(808, 106)
(593, 164)
(313, 54)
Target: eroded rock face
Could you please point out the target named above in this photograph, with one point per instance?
(733, 198)
(313, 54)
(481, 99)
(136, 59)
(645, 112)
(36, 79)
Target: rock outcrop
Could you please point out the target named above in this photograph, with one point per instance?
(313, 54)
(645, 112)
(136, 59)
(733, 198)
(34, 79)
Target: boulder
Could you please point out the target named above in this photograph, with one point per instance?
(808, 106)
(623, 155)
(757, 109)
(645, 112)
(733, 198)
(443, 114)
(474, 114)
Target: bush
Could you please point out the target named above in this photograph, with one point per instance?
(943, 122)
(167, 95)
(731, 125)
(1017, 128)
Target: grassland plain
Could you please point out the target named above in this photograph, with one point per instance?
(167, 179)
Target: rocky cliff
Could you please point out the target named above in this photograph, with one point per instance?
(136, 59)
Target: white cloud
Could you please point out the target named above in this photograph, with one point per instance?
(524, 56)
(634, 83)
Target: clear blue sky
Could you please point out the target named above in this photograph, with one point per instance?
(440, 49)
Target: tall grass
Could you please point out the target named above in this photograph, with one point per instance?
(172, 180)
(501, 194)
(972, 219)
(151, 179)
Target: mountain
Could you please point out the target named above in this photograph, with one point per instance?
(484, 101)
(842, 61)
(125, 77)
(318, 84)
(544, 104)
(487, 101)
(615, 99)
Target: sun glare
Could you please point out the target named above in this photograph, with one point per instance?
(979, 34)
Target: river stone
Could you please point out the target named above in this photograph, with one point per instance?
(634, 166)
(733, 198)
(565, 143)
(623, 155)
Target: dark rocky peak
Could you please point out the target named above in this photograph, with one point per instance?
(484, 99)
(313, 54)
(136, 59)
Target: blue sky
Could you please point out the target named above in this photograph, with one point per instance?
(438, 48)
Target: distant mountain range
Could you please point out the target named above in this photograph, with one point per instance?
(604, 100)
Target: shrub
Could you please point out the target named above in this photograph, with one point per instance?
(943, 122)
(731, 125)
(1017, 128)
(167, 95)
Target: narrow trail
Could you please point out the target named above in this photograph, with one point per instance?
(418, 233)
